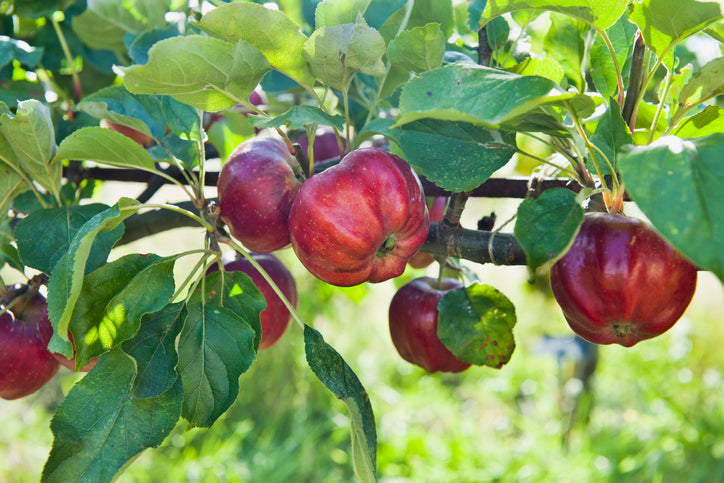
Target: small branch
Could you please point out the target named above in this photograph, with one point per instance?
(474, 245)
(485, 53)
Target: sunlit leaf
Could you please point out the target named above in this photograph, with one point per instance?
(602, 13)
(419, 49)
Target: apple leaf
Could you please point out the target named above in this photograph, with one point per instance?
(182, 119)
(456, 156)
(11, 185)
(331, 369)
(540, 66)
(601, 14)
(603, 71)
(705, 84)
(546, 226)
(611, 135)
(336, 53)
(66, 277)
(678, 185)
(113, 300)
(665, 23)
(101, 424)
(375, 12)
(476, 94)
(277, 36)
(476, 324)
(427, 11)
(31, 137)
(708, 121)
(380, 125)
(236, 291)
(215, 347)
(419, 49)
(116, 104)
(297, 117)
(14, 49)
(207, 73)
(58, 227)
(154, 350)
(106, 147)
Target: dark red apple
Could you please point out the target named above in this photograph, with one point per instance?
(437, 211)
(621, 282)
(141, 138)
(70, 363)
(275, 318)
(413, 325)
(326, 145)
(360, 220)
(256, 187)
(25, 361)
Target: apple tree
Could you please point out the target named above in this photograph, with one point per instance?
(329, 126)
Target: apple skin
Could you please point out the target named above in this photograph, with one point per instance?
(437, 211)
(325, 145)
(141, 138)
(26, 364)
(621, 282)
(360, 220)
(275, 318)
(256, 187)
(70, 363)
(413, 319)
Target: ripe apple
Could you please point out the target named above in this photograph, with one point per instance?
(256, 187)
(413, 325)
(70, 363)
(25, 361)
(141, 138)
(437, 211)
(326, 145)
(275, 318)
(360, 220)
(621, 282)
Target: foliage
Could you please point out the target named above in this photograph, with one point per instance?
(611, 89)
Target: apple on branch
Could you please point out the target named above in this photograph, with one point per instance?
(360, 220)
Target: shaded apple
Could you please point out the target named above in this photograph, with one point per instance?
(621, 282)
(413, 318)
(325, 147)
(256, 187)
(26, 364)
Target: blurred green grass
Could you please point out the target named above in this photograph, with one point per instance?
(656, 410)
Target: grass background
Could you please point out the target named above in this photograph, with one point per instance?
(655, 412)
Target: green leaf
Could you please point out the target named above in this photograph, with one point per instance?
(476, 324)
(215, 347)
(419, 49)
(601, 14)
(336, 12)
(331, 369)
(45, 235)
(336, 53)
(277, 36)
(612, 133)
(14, 49)
(602, 68)
(568, 35)
(204, 72)
(101, 424)
(297, 117)
(104, 146)
(116, 104)
(476, 94)
(678, 184)
(706, 122)
(546, 226)
(183, 120)
(113, 300)
(380, 125)
(31, 137)
(456, 156)
(665, 23)
(543, 67)
(236, 291)
(66, 278)
(707, 83)
(427, 11)
(154, 350)
(11, 185)
(9, 255)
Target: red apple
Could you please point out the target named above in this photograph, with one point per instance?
(275, 318)
(437, 211)
(326, 145)
(360, 220)
(413, 325)
(620, 282)
(256, 187)
(25, 361)
(70, 363)
(141, 138)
